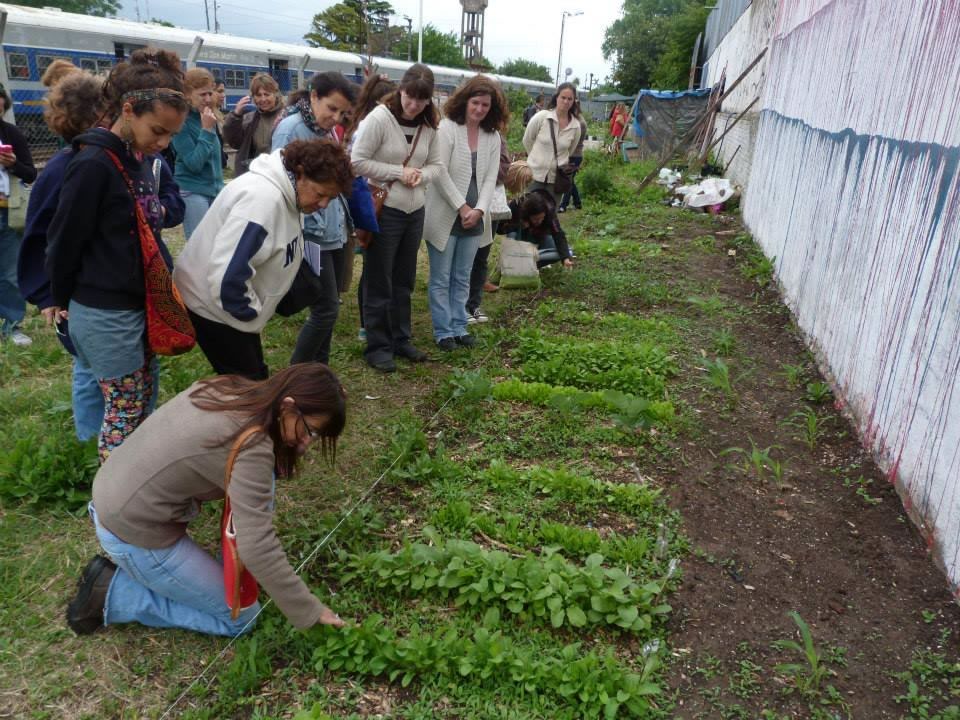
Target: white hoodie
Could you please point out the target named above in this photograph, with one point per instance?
(244, 255)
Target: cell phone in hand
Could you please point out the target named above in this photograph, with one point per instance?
(6, 149)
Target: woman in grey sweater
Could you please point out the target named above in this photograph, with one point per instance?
(151, 487)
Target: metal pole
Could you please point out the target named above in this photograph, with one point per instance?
(194, 52)
(8, 114)
(420, 40)
(206, 11)
(216, 22)
(563, 22)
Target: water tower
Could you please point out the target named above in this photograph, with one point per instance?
(471, 30)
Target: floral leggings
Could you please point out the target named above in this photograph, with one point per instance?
(127, 402)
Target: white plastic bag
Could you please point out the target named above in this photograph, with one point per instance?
(499, 208)
(518, 264)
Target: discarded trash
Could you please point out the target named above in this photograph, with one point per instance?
(706, 194)
(668, 177)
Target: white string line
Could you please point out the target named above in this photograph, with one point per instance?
(311, 556)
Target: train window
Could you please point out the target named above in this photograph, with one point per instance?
(234, 78)
(44, 61)
(217, 74)
(88, 64)
(17, 65)
(104, 66)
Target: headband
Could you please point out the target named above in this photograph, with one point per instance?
(136, 97)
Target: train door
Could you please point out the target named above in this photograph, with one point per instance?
(280, 71)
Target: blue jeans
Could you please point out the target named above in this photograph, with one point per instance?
(449, 286)
(12, 306)
(195, 207)
(87, 402)
(179, 586)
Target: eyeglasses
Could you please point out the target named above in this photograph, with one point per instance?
(314, 434)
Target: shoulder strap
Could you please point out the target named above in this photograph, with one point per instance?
(413, 147)
(235, 451)
(123, 172)
(553, 139)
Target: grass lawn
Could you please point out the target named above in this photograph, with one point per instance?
(608, 508)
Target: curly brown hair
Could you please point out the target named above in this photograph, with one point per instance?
(147, 69)
(74, 105)
(320, 160)
(456, 106)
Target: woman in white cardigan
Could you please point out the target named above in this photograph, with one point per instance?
(396, 151)
(456, 223)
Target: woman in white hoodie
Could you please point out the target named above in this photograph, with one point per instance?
(456, 222)
(245, 254)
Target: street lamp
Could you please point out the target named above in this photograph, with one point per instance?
(563, 22)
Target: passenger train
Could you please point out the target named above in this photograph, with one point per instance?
(33, 38)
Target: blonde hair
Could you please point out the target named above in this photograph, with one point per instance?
(57, 71)
(519, 176)
(197, 78)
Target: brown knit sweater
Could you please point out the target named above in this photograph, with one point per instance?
(152, 485)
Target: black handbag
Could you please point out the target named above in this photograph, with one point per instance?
(305, 291)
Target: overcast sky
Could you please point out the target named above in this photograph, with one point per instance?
(514, 28)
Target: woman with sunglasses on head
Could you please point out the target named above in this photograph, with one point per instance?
(156, 575)
(94, 258)
(325, 231)
(551, 138)
(396, 151)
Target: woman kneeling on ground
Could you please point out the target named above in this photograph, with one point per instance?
(157, 575)
(535, 219)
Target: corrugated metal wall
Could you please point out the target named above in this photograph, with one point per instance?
(855, 189)
(721, 20)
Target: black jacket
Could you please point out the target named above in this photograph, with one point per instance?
(93, 247)
(23, 168)
(549, 227)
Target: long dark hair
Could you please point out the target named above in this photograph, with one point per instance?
(417, 82)
(375, 88)
(313, 387)
(574, 109)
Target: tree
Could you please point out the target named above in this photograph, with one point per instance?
(100, 8)
(440, 48)
(526, 69)
(673, 67)
(345, 26)
(638, 40)
(158, 21)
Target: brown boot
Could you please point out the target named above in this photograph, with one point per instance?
(85, 611)
(490, 287)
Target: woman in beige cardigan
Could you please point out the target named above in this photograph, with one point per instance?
(396, 151)
(562, 118)
(456, 222)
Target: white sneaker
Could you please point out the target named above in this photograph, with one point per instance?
(472, 318)
(480, 316)
(20, 339)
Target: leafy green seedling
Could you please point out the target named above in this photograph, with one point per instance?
(808, 425)
(793, 374)
(724, 343)
(806, 677)
(756, 461)
(718, 376)
(817, 392)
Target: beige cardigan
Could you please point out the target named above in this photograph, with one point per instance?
(378, 155)
(448, 193)
(539, 146)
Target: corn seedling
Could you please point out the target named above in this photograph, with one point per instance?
(817, 392)
(758, 268)
(806, 677)
(793, 374)
(808, 425)
(757, 462)
(862, 484)
(724, 342)
(718, 376)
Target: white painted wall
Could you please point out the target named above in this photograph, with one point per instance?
(854, 187)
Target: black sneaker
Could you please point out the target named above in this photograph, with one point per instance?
(467, 341)
(447, 344)
(85, 611)
(384, 366)
(411, 353)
